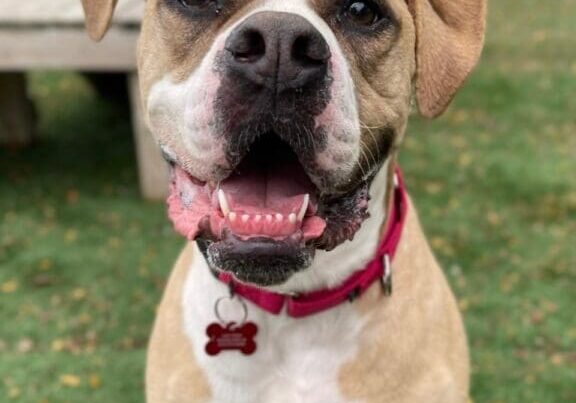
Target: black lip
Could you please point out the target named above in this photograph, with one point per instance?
(344, 216)
(259, 261)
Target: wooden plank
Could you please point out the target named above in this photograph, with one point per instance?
(59, 48)
(152, 168)
(65, 12)
(17, 117)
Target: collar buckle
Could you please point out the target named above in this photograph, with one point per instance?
(386, 279)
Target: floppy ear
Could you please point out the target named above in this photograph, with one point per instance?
(98, 16)
(449, 40)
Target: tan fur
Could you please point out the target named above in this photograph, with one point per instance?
(383, 71)
(98, 16)
(450, 39)
(172, 375)
(413, 343)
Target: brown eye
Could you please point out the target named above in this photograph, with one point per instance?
(363, 12)
(213, 7)
(195, 3)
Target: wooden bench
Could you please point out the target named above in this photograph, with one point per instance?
(37, 35)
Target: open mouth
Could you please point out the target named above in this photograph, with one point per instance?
(265, 220)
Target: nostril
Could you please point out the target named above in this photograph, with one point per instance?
(248, 46)
(310, 50)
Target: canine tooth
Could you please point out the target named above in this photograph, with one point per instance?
(292, 217)
(304, 207)
(279, 217)
(245, 218)
(224, 206)
(232, 216)
(258, 218)
(269, 217)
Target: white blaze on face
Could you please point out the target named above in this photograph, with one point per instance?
(183, 117)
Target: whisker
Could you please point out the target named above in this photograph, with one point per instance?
(364, 146)
(369, 129)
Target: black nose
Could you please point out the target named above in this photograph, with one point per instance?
(278, 51)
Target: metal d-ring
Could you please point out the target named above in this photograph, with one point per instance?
(387, 275)
(230, 298)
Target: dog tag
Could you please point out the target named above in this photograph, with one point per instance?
(231, 336)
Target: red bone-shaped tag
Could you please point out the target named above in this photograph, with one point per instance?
(231, 337)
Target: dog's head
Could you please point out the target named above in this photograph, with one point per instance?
(276, 115)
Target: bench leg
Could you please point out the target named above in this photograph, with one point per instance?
(152, 169)
(17, 114)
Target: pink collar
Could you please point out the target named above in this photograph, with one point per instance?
(378, 269)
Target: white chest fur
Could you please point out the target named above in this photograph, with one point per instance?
(297, 360)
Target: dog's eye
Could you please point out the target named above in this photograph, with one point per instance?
(363, 12)
(201, 6)
(195, 3)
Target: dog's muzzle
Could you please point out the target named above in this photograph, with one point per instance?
(263, 221)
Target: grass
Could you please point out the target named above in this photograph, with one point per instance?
(83, 260)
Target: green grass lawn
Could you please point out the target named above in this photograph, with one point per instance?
(83, 260)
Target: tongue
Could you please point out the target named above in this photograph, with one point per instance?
(277, 189)
(264, 199)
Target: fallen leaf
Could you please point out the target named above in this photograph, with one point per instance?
(58, 345)
(434, 188)
(557, 359)
(94, 381)
(46, 264)
(70, 381)
(71, 236)
(79, 294)
(14, 392)
(9, 286)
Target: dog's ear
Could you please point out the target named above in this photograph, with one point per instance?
(98, 16)
(449, 36)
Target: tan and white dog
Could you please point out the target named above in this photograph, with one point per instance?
(281, 120)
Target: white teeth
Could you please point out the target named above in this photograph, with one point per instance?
(292, 217)
(279, 217)
(245, 218)
(257, 218)
(224, 206)
(268, 217)
(232, 216)
(304, 207)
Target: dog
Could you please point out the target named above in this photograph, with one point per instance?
(307, 277)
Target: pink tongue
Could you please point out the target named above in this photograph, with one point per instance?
(279, 189)
(263, 203)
